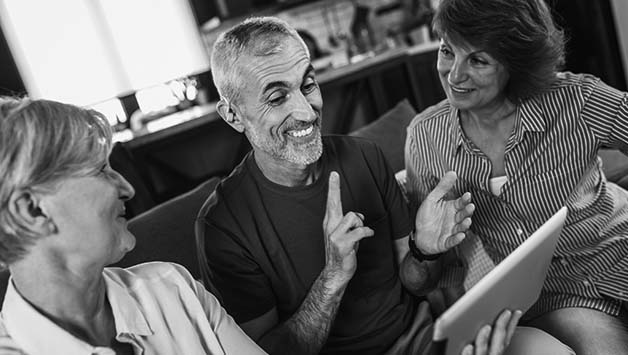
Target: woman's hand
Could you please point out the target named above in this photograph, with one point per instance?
(494, 340)
(441, 224)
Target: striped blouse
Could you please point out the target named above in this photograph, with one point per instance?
(550, 161)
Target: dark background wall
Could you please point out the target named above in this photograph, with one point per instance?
(10, 81)
(592, 46)
(204, 10)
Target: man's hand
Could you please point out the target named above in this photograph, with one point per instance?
(342, 234)
(441, 224)
(307, 330)
(494, 342)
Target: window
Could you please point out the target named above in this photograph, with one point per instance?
(88, 51)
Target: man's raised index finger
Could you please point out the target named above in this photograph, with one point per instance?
(334, 203)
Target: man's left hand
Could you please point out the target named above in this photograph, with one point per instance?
(441, 224)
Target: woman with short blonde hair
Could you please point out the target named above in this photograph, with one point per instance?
(61, 223)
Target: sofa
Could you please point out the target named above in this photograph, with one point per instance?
(167, 231)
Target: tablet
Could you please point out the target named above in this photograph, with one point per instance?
(513, 284)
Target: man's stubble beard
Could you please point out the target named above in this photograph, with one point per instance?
(303, 154)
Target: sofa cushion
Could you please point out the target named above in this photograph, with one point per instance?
(615, 166)
(389, 132)
(166, 232)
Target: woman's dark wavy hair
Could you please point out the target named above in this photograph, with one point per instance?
(520, 34)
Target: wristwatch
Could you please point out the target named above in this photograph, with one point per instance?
(417, 254)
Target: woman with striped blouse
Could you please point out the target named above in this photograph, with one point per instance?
(524, 139)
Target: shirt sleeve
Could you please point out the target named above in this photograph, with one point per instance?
(244, 288)
(229, 334)
(395, 202)
(606, 113)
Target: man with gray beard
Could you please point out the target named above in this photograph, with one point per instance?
(307, 236)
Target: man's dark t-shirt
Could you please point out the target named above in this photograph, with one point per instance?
(265, 245)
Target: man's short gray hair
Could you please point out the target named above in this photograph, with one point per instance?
(256, 36)
(42, 143)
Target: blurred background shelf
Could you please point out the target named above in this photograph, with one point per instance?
(197, 144)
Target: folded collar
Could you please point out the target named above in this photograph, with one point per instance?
(531, 115)
(36, 334)
(127, 313)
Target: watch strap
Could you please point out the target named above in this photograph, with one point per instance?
(417, 254)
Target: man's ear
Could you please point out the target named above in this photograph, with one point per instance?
(229, 114)
(25, 206)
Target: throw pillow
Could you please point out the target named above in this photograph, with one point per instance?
(389, 132)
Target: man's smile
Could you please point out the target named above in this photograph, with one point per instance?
(301, 133)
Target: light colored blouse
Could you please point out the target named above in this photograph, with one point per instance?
(158, 308)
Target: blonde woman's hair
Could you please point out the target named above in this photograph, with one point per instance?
(42, 143)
